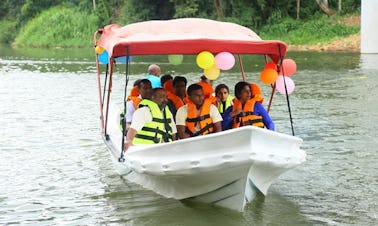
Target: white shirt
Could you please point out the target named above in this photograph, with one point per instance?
(142, 116)
(182, 115)
(130, 109)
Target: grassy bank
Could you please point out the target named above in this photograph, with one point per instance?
(317, 31)
(63, 27)
(58, 27)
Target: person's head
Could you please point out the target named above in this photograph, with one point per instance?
(242, 91)
(222, 91)
(145, 88)
(136, 83)
(195, 94)
(154, 69)
(179, 85)
(206, 80)
(164, 78)
(159, 96)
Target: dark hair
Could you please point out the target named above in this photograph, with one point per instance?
(179, 79)
(143, 81)
(136, 83)
(165, 78)
(155, 90)
(193, 87)
(221, 86)
(238, 88)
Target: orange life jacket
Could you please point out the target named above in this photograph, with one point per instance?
(168, 86)
(176, 100)
(256, 93)
(205, 123)
(134, 92)
(136, 101)
(246, 117)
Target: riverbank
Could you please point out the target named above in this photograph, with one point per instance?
(351, 43)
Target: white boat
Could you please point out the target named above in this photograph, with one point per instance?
(226, 168)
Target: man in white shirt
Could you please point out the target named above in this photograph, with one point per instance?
(152, 123)
(145, 91)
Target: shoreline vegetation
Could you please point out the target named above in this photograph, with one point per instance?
(62, 27)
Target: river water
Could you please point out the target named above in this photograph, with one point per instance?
(55, 169)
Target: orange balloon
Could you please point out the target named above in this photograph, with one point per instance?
(99, 49)
(268, 76)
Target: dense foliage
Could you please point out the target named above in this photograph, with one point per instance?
(31, 20)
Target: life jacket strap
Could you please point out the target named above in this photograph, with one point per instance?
(146, 137)
(199, 118)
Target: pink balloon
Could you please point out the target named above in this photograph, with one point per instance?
(288, 67)
(280, 85)
(224, 60)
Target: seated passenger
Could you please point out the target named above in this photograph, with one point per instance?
(166, 82)
(154, 75)
(198, 116)
(224, 103)
(177, 97)
(133, 94)
(207, 89)
(153, 122)
(247, 111)
(145, 90)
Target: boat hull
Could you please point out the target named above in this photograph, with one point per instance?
(225, 168)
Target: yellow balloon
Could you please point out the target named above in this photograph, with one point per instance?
(205, 60)
(99, 49)
(212, 73)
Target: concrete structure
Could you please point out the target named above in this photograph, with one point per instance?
(369, 26)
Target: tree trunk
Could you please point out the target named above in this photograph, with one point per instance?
(94, 5)
(324, 6)
(298, 8)
(339, 6)
(218, 5)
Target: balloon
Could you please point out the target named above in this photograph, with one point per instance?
(212, 73)
(103, 57)
(271, 65)
(175, 59)
(288, 67)
(122, 59)
(205, 60)
(99, 49)
(280, 85)
(268, 76)
(224, 60)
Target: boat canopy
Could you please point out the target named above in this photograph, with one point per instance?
(186, 36)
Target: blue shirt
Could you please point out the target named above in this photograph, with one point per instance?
(258, 109)
(155, 81)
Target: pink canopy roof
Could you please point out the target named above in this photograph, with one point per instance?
(185, 36)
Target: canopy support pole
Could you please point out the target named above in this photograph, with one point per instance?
(101, 100)
(241, 67)
(287, 95)
(121, 157)
(273, 89)
(111, 62)
(106, 78)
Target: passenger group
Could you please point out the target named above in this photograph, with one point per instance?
(161, 109)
